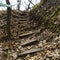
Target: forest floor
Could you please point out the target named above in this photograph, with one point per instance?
(29, 41)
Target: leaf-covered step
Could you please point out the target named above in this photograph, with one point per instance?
(30, 51)
(29, 42)
(26, 34)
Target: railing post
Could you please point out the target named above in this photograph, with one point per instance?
(8, 20)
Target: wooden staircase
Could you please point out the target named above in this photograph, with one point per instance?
(27, 35)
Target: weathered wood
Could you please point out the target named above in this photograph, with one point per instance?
(29, 42)
(23, 19)
(19, 5)
(30, 51)
(8, 19)
(30, 33)
(26, 34)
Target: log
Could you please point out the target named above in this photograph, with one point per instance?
(29, 42)
(30, 33)
(26, 34)
(30, 51)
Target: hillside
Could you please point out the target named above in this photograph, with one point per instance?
(47, 15)
(35, 34)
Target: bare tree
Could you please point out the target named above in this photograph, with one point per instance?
(30, 1)
(28, 5)
(19, 4)
(8, 19)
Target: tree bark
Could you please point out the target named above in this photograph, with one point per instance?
(19, 4)
(8, 19)
(43, 1)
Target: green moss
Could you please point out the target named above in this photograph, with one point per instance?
(36, 6)
(47, 17)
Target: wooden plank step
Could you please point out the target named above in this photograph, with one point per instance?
(29, 42)
(23, 24)
(23, 16)
(23, 19)
(30, 51)
(29, 33)
(26, 34)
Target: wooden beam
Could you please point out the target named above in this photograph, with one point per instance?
(30, 51)
(29, 42)
(26, 34)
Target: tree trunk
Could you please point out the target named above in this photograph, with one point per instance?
(19, 4)
(8, 19)
(43, 1)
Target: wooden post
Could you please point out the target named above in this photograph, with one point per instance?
(19, 4)
(8, 19)
(43, 1)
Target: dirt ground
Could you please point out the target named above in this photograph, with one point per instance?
(23, 30)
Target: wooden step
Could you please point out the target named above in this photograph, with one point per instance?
(22, 24)
(19, 16)
(29, 42)
(23, 16)
(23, 19)
(30, 51)
(26, 34)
